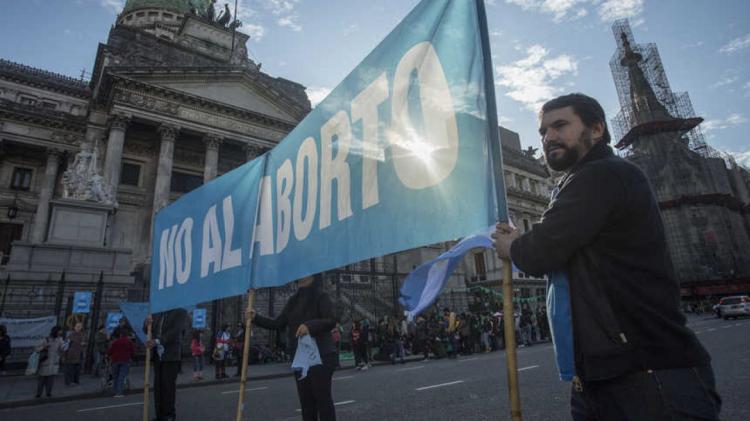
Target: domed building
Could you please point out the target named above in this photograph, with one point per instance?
(173, 102)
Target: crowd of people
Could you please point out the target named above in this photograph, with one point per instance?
(442, 334)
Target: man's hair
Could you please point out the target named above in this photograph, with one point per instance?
(585, 107)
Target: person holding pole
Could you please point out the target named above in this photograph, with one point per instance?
(310, 311)
(618, 332)
(166, 355)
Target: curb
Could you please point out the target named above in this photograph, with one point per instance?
(95, 395)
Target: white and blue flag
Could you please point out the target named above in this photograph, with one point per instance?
(403, 153)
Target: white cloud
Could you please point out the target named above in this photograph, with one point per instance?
(612, 10)
(724, 81)
(559, 9)
(256, 32)
(530, 80)
(733, 120)
(316, 94)
(281, 7)
(742, 158)
(351, 29)
(114, 6)
(289, 22)
(735, 45)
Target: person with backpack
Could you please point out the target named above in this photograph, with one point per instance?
(221, 351)
(49, 349)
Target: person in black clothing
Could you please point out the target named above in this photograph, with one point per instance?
(602, 235)
(4, 347)
(166, 355)
(310, 311)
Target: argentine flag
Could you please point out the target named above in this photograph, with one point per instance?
(423, 284)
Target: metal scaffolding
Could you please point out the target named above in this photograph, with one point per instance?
(677, 104)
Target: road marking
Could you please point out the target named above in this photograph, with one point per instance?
(528, 368)
(110, 406)
(246, 390)
(711, 329)
(343, 377)
(738, 324)
(410, 368)
(726, 327)
(439, 385)
(698, 332)
(468, 359)
(335, 404)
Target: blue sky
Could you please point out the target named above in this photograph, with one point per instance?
(541, 48)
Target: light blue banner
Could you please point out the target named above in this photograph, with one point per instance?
(82, 302)
(136, 314)
(396, 157)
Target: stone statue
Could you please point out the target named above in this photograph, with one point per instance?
(81, 181)
(211, 11)
(225, 17)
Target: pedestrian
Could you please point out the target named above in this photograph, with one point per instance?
(4, 348)
(618, 332)
(101, 344)
(238, 344)
(166, 356)
(221, 352)
(396, 340)
(358, 347)
(50, 349)
(74, 355)
(423, 339)
(197, 349)
(525, 325)
(336, 333)
(310, 311)
(120, 354)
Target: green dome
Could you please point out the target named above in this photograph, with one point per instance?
(181, 6)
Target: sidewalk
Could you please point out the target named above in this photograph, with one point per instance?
(19, 390)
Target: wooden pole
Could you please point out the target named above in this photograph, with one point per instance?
(245, 353)
(146, 375)
(510, 342)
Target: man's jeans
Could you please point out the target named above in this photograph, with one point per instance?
(672, 394)
(120, 373)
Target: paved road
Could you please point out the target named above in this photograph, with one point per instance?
(472, 388)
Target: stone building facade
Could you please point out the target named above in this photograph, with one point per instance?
(173, 102)
(704, 196)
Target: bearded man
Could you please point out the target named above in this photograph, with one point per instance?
(613, 302)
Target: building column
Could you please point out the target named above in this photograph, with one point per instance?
(168, 135)
(211, 165)
(41, 216)
(253, 151)
(115, 143)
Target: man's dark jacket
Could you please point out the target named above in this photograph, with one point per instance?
(167, 327)
(313, 308)
(605, 229)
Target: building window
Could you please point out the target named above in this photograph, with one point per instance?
(25, 100)
(130, 174)
(167, 15)
(8, 234)
(49, 105)
(21, 179)
(185, 182)
(480, 266)
(526, 225)
(140, 14)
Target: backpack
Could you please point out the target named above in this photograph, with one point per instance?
(32, 366)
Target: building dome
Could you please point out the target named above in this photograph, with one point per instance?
(179, 6)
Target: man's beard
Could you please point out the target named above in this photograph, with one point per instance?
(569, 156)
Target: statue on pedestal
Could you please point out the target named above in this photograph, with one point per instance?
(81, 180)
